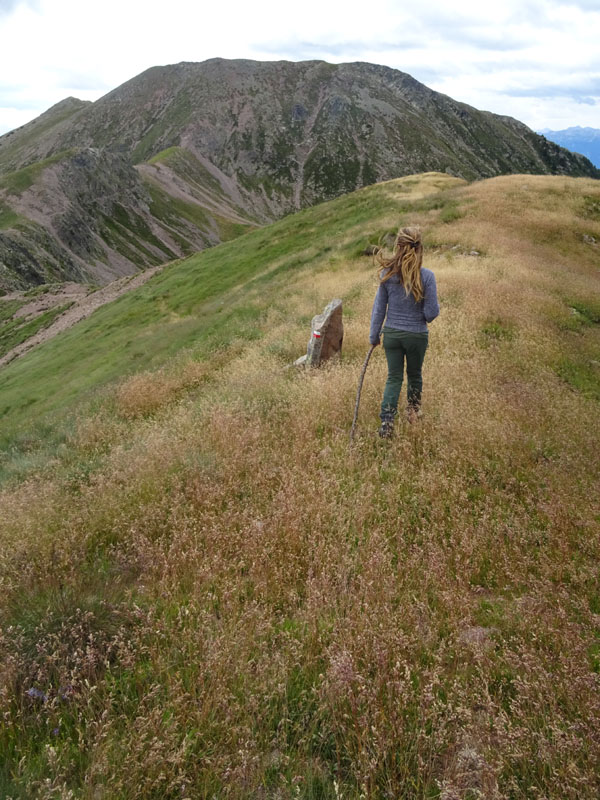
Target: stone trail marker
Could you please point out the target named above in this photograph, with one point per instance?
(327, 334)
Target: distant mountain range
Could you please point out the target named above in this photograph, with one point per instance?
(184, 156)
(579, 140)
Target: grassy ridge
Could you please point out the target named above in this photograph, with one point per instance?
(206, 594)
(187, 165)
(190, 304)
(173, 211)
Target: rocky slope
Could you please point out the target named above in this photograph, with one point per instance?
(187, 155)
(88, 215)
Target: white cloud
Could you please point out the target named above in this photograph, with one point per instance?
(8, 6)
(487, 55)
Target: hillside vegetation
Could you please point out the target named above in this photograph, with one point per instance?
(184, 156)
(206, 593)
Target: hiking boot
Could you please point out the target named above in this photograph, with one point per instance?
(386, 428)
(413, 413)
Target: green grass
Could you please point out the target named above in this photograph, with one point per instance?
(165, 156)
(497, 330)
(14, 331)
(578, 315)
(228, 229)
(582, 374)
(588, 309)
(451, 213)
(163, 126)
(8, 217)
(185, 164)
(19, 181)
(129, 234)
(579, 365)
(43, 288)
(22, 139)
(172, 209)
(591, 207)
(180, 308)
(8, 308)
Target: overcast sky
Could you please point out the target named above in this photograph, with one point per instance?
(537, 60)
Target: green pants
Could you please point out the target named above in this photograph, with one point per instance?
(399, 345)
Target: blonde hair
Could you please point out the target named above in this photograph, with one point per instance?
(406, 261)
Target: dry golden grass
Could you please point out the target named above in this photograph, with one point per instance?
(218, 598)
(146, 392)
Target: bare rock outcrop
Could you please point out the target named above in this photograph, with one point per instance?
(327, 334)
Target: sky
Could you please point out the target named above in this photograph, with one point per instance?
(536, 60)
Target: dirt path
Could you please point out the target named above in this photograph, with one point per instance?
(84, 304)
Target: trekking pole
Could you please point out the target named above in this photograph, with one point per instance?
(360, 383)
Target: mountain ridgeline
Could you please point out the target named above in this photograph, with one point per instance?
(185, 156)
(579, 140)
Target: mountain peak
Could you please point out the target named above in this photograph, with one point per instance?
(188, 152)
(69, 102)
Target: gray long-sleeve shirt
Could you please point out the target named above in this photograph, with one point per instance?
(403, 312)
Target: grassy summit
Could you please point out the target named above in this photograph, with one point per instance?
(206, 594)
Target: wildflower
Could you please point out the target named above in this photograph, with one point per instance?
(37, 694)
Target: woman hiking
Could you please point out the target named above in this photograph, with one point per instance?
(408, 293)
